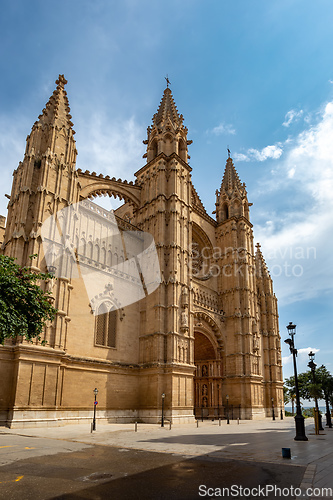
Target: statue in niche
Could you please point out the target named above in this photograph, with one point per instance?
(184, 314)
(184, 299)
(184, 319)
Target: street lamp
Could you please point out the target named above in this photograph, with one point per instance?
(227, 398)
(281, 412)
(162, 422)
(312, 365)
(299, 419)
(95, 391)
(273, 413)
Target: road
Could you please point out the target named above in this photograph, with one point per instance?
(34, 468)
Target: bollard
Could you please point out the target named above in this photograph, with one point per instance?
(197, 423)
(286, 453)
(238, 421)
(219, 422)
(170, 425)
(136, 427)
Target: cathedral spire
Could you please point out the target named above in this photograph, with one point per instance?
(167, 134)
(231, 199)
(167, 111)
(57, 108)
(53, 130)
(261, 266)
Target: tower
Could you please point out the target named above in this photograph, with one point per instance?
(45, 181)
(166, 334)
(270, 332)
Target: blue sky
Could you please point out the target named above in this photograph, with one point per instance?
(257, 76)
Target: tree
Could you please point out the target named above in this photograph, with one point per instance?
(322, 389)
(325, 380)
(304, 382)
(24, 306)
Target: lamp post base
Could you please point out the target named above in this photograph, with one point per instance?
(300, 429)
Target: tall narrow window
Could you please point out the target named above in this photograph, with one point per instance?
(112, 327)
(106, 326)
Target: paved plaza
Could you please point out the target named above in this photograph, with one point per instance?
(174, 462)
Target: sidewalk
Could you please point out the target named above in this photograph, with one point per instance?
(258, 441)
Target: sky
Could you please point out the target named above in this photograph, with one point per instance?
(255, 76)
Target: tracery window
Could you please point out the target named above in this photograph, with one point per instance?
(106, 326)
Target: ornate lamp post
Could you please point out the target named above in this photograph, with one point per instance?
(273, 412)
(162, 422)
(95, 406)
(281, 412)
(312, 365)
(227, 398)
(299, 419)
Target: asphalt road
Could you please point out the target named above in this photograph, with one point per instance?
(42, 469)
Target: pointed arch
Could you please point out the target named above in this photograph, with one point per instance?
(106, 325)
(213, 327)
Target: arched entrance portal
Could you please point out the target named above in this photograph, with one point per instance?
(207, 379)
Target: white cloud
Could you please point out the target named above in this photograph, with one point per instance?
(302, 355)
(269, 152)
(299, 239)
(292, 116)
(222, 129)
(113, 148)
(240, 157)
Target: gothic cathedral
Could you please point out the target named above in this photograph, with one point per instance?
(201, 343)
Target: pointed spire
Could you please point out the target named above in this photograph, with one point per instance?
(167, 134)
(231, 181)
(57, 110)
(261, 266)
(231, 200)
(167, 110)
(53, 132)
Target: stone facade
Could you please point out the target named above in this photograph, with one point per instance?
(207, 337)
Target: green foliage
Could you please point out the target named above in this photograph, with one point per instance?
(309, 412)
(322, 388)
(24, 306)
(304, 379)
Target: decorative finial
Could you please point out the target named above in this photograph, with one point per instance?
(168, 81)
(228, 152)
(61, 80)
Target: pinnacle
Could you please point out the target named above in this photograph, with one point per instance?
(57, 110)
(61, 82)
(231, 179)
(167, 110)
(261, 261)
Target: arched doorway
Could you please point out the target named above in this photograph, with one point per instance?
(207, 379)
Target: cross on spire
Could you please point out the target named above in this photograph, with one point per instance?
(168, 81)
